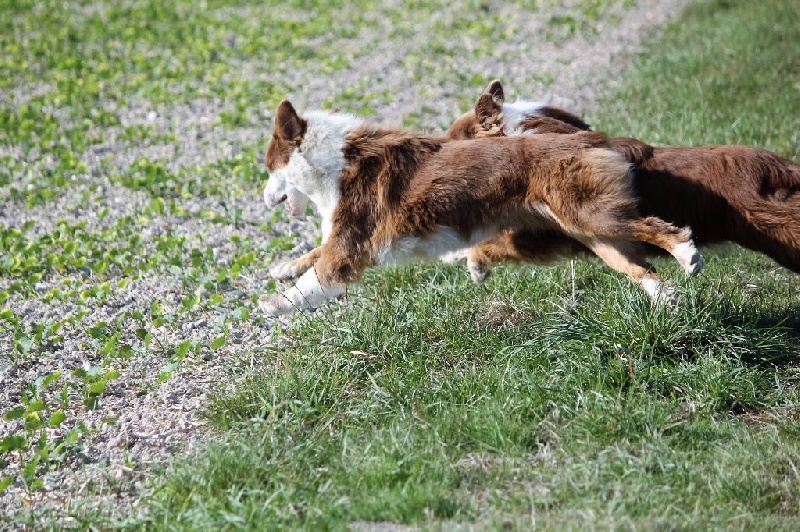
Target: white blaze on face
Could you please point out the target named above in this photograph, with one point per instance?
(282, 185)
(278, 190)
(275, 192)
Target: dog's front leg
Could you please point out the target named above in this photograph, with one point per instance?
(479, 263)
(295, 268)
(308, 293)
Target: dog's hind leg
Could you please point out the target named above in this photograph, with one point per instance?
(479, 263)
(677, 242)
(617, 224)
(625, 257)
(537, 246)
(297, 267)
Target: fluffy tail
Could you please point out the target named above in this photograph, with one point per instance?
(774, 211)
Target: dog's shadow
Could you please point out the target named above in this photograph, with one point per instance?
(784, 320)
(756, 335)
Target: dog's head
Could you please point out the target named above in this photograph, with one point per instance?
(287, 136)
(485, 120)
(305, 158)
(492, 117)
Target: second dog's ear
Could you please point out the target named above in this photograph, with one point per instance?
(288, 125)
(487, 111)
(495, 90)
(489, 105)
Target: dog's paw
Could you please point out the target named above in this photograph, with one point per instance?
(668, 297)
(689, 258)
(662, 293)
(454, 257)
(696, 264)
(479, 271)
(284, 271)
(274, 305)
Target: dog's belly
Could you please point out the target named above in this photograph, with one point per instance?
(405, 249)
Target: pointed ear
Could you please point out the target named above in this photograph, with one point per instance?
(487, 111)
(495, 90)
(288, 125)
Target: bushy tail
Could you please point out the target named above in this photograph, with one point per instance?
(776, 211)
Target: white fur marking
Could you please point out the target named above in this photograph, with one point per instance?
(516, 112)
(442, 242)
(478, 271)
(286, 270)
(689, 258)
(315, 167)
(660, 292)
(544, 210)
(308, 293)
(454, 257)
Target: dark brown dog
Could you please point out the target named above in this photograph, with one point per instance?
(740, 194)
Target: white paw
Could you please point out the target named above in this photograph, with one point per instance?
(662, 293)
(689, 258)
(668, 297)
(479, 271)
(696, 264)
(274, 305)
(284, 271)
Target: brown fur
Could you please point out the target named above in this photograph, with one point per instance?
(398, 184)
(741, 194)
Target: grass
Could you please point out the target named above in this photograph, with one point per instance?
(454, 405)
(737, 85)
(544, 398)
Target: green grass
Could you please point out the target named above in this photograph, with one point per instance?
(543, 399)
(453, 403)
(736, 82)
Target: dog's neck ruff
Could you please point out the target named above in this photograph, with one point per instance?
(514, 113)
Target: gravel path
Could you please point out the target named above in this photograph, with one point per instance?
(155, 422)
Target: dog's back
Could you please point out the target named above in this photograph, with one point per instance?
(467, 184)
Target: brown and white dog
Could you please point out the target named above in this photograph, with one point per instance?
(279, 192)
(741, 194)
(388, 196)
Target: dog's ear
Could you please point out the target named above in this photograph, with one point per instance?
(489, 105)
(487, 111)
(288, 125)
(495, 90)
